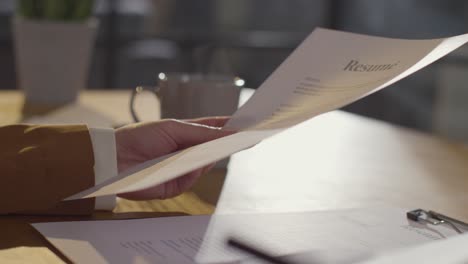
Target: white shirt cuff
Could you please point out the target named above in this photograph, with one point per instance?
(105, 162)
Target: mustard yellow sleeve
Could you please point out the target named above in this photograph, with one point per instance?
(41, 165)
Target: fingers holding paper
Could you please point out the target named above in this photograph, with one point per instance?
(169, 189)
(140, 142)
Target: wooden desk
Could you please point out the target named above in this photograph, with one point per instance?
(111, 103)
(337, 160)
(20, 243)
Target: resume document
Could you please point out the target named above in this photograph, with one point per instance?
(328, 70)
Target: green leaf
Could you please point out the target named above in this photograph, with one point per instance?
(66, 10)
(83, 9)
(54, 9)
(26, 8)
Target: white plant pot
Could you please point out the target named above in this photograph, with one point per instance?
(52, 58)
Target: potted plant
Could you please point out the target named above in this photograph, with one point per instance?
(53, 44)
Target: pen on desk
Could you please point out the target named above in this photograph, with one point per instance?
(255, 252)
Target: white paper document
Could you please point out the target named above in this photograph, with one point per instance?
(341, 236)
(328, 70)
(447, 251)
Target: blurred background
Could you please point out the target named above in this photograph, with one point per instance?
(137, 39)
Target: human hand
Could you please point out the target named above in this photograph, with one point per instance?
(141, 142)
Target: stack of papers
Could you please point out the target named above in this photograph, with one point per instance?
(344, 236)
